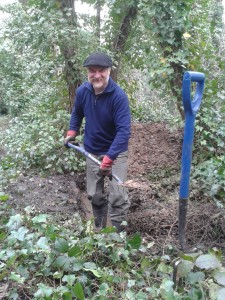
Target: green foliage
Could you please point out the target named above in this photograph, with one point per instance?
(209, 177)
(147, 104)
(48, 261)
(39, 142)
(38, 146)
(158, 44)
(32, 53)
(210, 136)
(34, 87)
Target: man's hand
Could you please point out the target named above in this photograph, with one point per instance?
(106, 167)
(71, 135)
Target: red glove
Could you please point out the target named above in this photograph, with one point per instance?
(70, 136)
(106, 166)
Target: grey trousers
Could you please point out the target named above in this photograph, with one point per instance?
(117, 200)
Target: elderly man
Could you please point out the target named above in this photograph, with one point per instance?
(105, 107)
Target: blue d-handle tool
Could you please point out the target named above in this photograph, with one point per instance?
(91, 157)
(191, 108)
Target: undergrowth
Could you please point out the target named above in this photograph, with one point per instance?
(40, 259)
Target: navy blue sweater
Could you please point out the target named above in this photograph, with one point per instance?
(107, 119)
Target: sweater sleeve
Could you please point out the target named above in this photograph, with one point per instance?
(122, 119)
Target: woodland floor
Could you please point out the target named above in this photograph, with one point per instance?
(154, 164)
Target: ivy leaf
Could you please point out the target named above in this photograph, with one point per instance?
(42, 243)
(61, 245)
(194, 277)
(78, 291)
(184, 268)
(130, 294)
(166, 289)
(142, 296)
(221, 294)
(64, 261)
(196, 293)
(14, 222)
(20, 233)
(40, 219)
(187, 257)
(145, 263)
(220, 278)
(109, 229)
(67, 296)
(4, 198)
(23, 271)
(207, 261)
(135, 241)
(11, 261)
(16, 277)
(43, 291)
(95, 272)
(103, 288)
(164, 268)
(69, 279)
(90, 265)
(2, 235)
(131, 283)
(77, 266)
(58, 275)
(75, 251)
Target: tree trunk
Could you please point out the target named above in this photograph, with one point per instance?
(98, 21)
(122, 36)
(69, 4)
(69, 51)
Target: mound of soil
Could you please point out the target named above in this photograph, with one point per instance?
(154, 170)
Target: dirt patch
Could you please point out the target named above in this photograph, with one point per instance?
(154, 163)
(51, 194)
(153, 146)
(205, 225)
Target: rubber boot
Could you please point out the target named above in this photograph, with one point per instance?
(119, 227)
(100, 215)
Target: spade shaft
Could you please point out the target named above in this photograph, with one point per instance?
(191, 108)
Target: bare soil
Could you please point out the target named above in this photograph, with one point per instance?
(154, 168)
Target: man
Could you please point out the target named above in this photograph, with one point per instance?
(105, 107)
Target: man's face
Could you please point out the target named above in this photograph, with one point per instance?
(98, 77)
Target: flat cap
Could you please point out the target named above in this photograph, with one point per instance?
(98, 59)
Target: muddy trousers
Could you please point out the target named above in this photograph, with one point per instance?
(116, 203)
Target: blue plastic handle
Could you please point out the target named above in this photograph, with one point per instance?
(190, 108)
